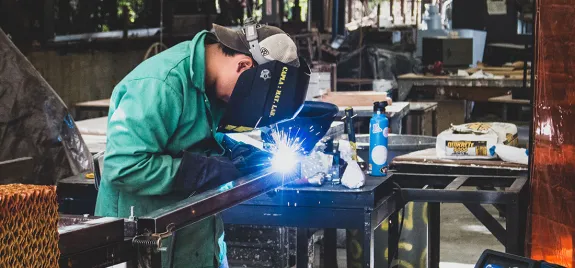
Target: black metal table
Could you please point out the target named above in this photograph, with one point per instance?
(327, 207)
(424, 178)
(88, 241)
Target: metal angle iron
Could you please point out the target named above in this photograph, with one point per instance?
(208, 203)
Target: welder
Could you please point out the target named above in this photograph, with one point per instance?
(163, 137)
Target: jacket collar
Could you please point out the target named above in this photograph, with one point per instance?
(198, 61)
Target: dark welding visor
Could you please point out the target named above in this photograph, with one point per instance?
(266, 95)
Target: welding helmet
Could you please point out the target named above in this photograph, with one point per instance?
(275, 89)
(309, 126)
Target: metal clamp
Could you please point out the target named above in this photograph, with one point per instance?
(154, 240)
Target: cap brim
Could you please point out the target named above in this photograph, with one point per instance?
(231, 39)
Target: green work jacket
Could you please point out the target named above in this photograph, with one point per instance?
(156, 111)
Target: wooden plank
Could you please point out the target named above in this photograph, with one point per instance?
(444, 77)
(508, 99)
(490, 69)
(429, 157)
(355, 98)
(422, 106)
(104, 103)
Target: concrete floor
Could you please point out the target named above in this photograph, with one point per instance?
(463, 238)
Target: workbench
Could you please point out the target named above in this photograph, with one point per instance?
(506, 101)
(362, 104)
(327, 207)
(396, 113)
(424, 177)
(333, 206)
(101, 106)
(414, 86)
(421, 119)
(93, 133)
(456, 94)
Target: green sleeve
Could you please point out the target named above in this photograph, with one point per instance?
(141, 122)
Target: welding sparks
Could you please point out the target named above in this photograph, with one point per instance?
(285, 151)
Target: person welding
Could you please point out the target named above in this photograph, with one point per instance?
(164, 140)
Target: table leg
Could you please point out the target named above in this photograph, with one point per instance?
(330, 247)
(367, 242)
(420, 125)
(434, 217)
(392, 238)
(524, 199)
(395, 125)
(434, 123)
(512, 227)
(302, 258)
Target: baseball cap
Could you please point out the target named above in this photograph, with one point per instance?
(274, 43)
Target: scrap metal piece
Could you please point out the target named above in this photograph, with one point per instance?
(213, 201)
(317, 179)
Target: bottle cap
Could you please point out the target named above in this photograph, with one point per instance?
(379, 106)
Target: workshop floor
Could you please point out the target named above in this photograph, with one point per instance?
(463, 238)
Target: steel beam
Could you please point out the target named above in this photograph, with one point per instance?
(208, 203)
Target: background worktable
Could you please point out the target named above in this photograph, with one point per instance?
(100, 106)
(427, 162)
(453, 87)
(426, 178)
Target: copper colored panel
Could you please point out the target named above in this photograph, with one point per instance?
(28, 226)
(553, 163)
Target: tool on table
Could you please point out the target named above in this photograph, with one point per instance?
(378, 134)
(316, 180)
(349, 128)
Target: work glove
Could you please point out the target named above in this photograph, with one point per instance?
(198, 172)
(246, 158)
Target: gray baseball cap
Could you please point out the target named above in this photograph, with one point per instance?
(271, 42)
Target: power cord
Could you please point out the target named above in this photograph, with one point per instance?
(395, 254)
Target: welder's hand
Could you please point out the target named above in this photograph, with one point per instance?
(249, 159)
(246, 158)
(198, 172)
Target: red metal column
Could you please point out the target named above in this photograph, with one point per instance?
(552, 222)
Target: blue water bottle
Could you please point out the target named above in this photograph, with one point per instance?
(378, 133)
